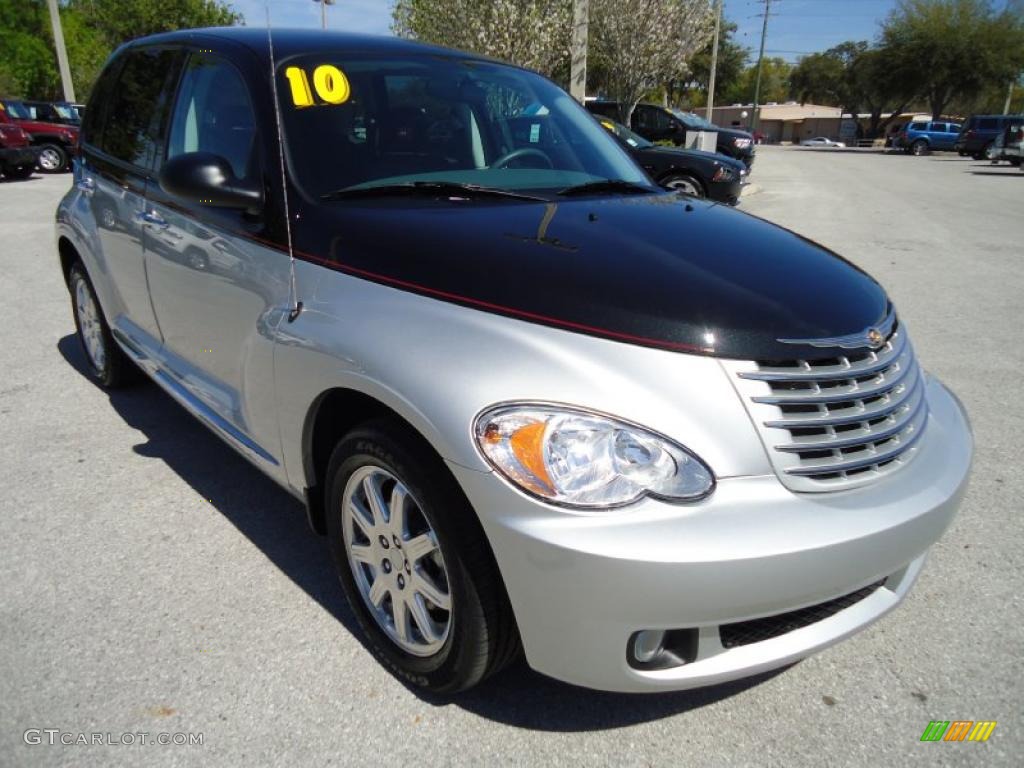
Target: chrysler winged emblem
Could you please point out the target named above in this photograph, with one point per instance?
(873, 337)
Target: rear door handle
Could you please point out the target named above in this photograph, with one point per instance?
(154, 218)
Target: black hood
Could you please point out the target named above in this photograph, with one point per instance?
(658, 270)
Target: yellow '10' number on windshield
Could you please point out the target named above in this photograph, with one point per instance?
(329, 82)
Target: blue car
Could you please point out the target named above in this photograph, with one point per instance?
(922, 136)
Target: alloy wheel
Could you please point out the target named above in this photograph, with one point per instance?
(89, 325)
(393, 552)
(50, 159)
(685, 185)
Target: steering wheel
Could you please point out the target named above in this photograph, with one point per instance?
(515, 154)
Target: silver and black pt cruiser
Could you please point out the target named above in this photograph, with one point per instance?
(536, 403)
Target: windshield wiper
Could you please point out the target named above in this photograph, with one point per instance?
(608, 185)
(428, 189)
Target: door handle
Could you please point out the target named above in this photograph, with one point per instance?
(154, 218)
(87, 185)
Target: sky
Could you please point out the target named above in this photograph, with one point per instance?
(795, 27)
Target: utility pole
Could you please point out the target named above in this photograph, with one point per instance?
(714, 61)
(323, 11)
(578, 56)
(760, 64)
(1009, 99)
(62, 53)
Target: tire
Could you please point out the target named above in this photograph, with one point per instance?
(196, 258)
(21, 173)
(919, 147)
(685, 183)
(476, 635)
(1014, 161)
(52, 158)
(108, 365)
(989, 153)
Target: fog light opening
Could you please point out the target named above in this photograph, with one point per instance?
(661, 649)
(648, 644)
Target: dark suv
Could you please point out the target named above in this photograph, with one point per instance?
(980, 132)
(657, 123)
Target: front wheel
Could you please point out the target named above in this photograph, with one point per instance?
(414, 562)
(52, 158)
(19, 173)
(685, 183)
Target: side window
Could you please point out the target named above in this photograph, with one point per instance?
(987, 124)
(953, 128)
(919, 126)
(133, 112)
(92, 122)
(214, 114)
(660, 120)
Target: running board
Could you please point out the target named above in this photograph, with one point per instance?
(190, 402)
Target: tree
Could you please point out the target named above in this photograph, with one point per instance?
(642, 44)
(855, 78)
(118, 21)
(732, 61)
(92, 29)
(828, 78)
(530, 33)
(951, 49)
(774, 83)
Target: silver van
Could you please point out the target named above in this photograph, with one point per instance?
(538, 405)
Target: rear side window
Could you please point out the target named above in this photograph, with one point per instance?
(92, 122)
(919, 126)
(214, 114)
(131, 129)
(988, 124)
(953, 128)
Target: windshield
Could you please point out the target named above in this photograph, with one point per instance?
(692, 120)
(65, 111)
(635, 140)
(376, 121)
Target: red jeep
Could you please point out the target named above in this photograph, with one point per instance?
(17, 156)
(54, 143)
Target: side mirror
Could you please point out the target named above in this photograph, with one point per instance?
(208, 179)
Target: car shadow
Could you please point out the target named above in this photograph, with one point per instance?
(274, 521)
(7, 180)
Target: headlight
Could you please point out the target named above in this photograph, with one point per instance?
(582, 459)
(722, 174)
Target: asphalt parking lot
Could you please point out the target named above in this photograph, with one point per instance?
(152, 582)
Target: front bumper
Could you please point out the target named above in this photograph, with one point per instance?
(18, 157)
(582, 584)
(726, 191)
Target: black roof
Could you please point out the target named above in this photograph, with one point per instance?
(291, 41)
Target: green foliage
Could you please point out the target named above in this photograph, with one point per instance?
(774, 83)
(92, 30)
(732, 62)
(953, 49)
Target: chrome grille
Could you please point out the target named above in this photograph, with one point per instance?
(837, 423)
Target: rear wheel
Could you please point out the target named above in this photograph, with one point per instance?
(107, 363)
(414, 562)
(919, 147)
(52, 158)
(684, 182)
